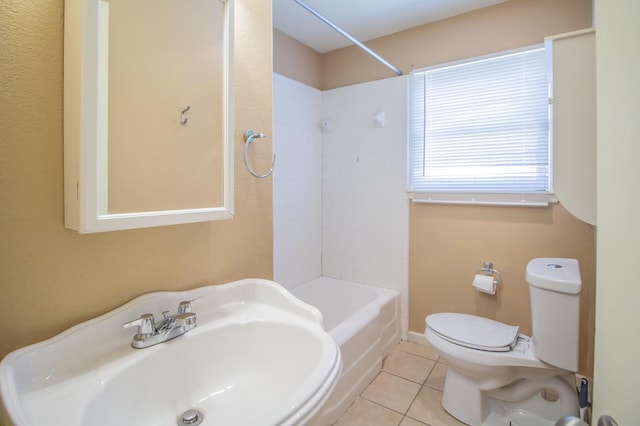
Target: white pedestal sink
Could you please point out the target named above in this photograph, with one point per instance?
(258, 356)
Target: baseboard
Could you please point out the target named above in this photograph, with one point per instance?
(418, 338)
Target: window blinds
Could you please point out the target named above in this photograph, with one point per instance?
(481, 126)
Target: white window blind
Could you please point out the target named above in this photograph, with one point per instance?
(481, 126)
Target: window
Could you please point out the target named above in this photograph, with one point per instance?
(479, 131)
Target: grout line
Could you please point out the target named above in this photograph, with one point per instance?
(422, 385)
(398, 348)
(384, 406)
(408, 380)
(411, 405)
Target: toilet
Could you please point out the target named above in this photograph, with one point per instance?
(497, 376)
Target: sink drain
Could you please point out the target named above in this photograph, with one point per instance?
(191, 418)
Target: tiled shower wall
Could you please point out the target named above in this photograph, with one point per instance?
(340, 206)
(297, 182)
(364, 204)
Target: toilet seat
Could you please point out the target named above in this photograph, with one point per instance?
(474, 332)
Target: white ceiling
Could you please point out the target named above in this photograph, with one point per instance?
(363, 19)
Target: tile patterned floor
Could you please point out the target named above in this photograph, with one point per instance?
(406, 392)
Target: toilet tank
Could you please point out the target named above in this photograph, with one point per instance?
(554, 289)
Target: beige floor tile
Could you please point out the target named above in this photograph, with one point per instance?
(426, 408)
(367, 413)
(436, 378)
(408, 421)
(425, 351)
(392, 392)
(409, 366)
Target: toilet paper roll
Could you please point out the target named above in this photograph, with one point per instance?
(484, 283)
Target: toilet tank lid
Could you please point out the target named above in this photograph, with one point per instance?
(556, 274)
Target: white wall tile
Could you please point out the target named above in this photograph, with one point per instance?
(365, 208)
(297, 193)
(340, 206)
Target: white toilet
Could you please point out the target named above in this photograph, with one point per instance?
(495, 375)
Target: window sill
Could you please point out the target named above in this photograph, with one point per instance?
(484, 199)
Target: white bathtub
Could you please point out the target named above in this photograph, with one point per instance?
(365, 322)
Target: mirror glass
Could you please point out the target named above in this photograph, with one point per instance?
(154, 121)
(165, 104)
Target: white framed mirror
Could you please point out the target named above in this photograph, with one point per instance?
(148, 113)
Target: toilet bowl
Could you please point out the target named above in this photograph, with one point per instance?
(499, 376)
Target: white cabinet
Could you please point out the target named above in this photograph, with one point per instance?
(573, 95)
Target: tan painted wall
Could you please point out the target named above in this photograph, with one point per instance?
(296, 60)
(501, 27)
(51, 277)
(447, 243)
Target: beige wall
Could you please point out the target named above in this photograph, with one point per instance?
(296, 60)
(51, 277)
(507, 25)
(447, 243)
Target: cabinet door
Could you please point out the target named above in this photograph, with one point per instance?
(573, 95)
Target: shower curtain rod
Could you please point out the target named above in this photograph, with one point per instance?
(348, 36)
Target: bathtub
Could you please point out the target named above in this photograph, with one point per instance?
(365, 322)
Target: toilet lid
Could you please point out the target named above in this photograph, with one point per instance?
(474, 332)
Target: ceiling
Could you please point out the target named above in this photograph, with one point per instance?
(363, 19)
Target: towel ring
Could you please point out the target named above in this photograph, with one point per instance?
(250, 137)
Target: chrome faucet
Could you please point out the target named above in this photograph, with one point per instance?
(171, 326)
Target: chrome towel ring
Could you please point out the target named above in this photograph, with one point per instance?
(250, 137)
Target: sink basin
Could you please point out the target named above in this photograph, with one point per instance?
(257, 356)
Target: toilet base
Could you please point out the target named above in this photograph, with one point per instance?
(534, 396)
(517, 417)
(463, 399)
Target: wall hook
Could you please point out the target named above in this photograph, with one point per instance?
(183, 116)
(250, 137)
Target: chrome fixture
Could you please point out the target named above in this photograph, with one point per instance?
(249, 138)
(607, 421)
(487, 269)
(191, 417)
(171, 326)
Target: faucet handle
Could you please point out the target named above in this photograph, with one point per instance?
(188, 320)
(185, 306)
(146, 324)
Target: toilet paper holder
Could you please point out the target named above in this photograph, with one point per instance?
(487, 269)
